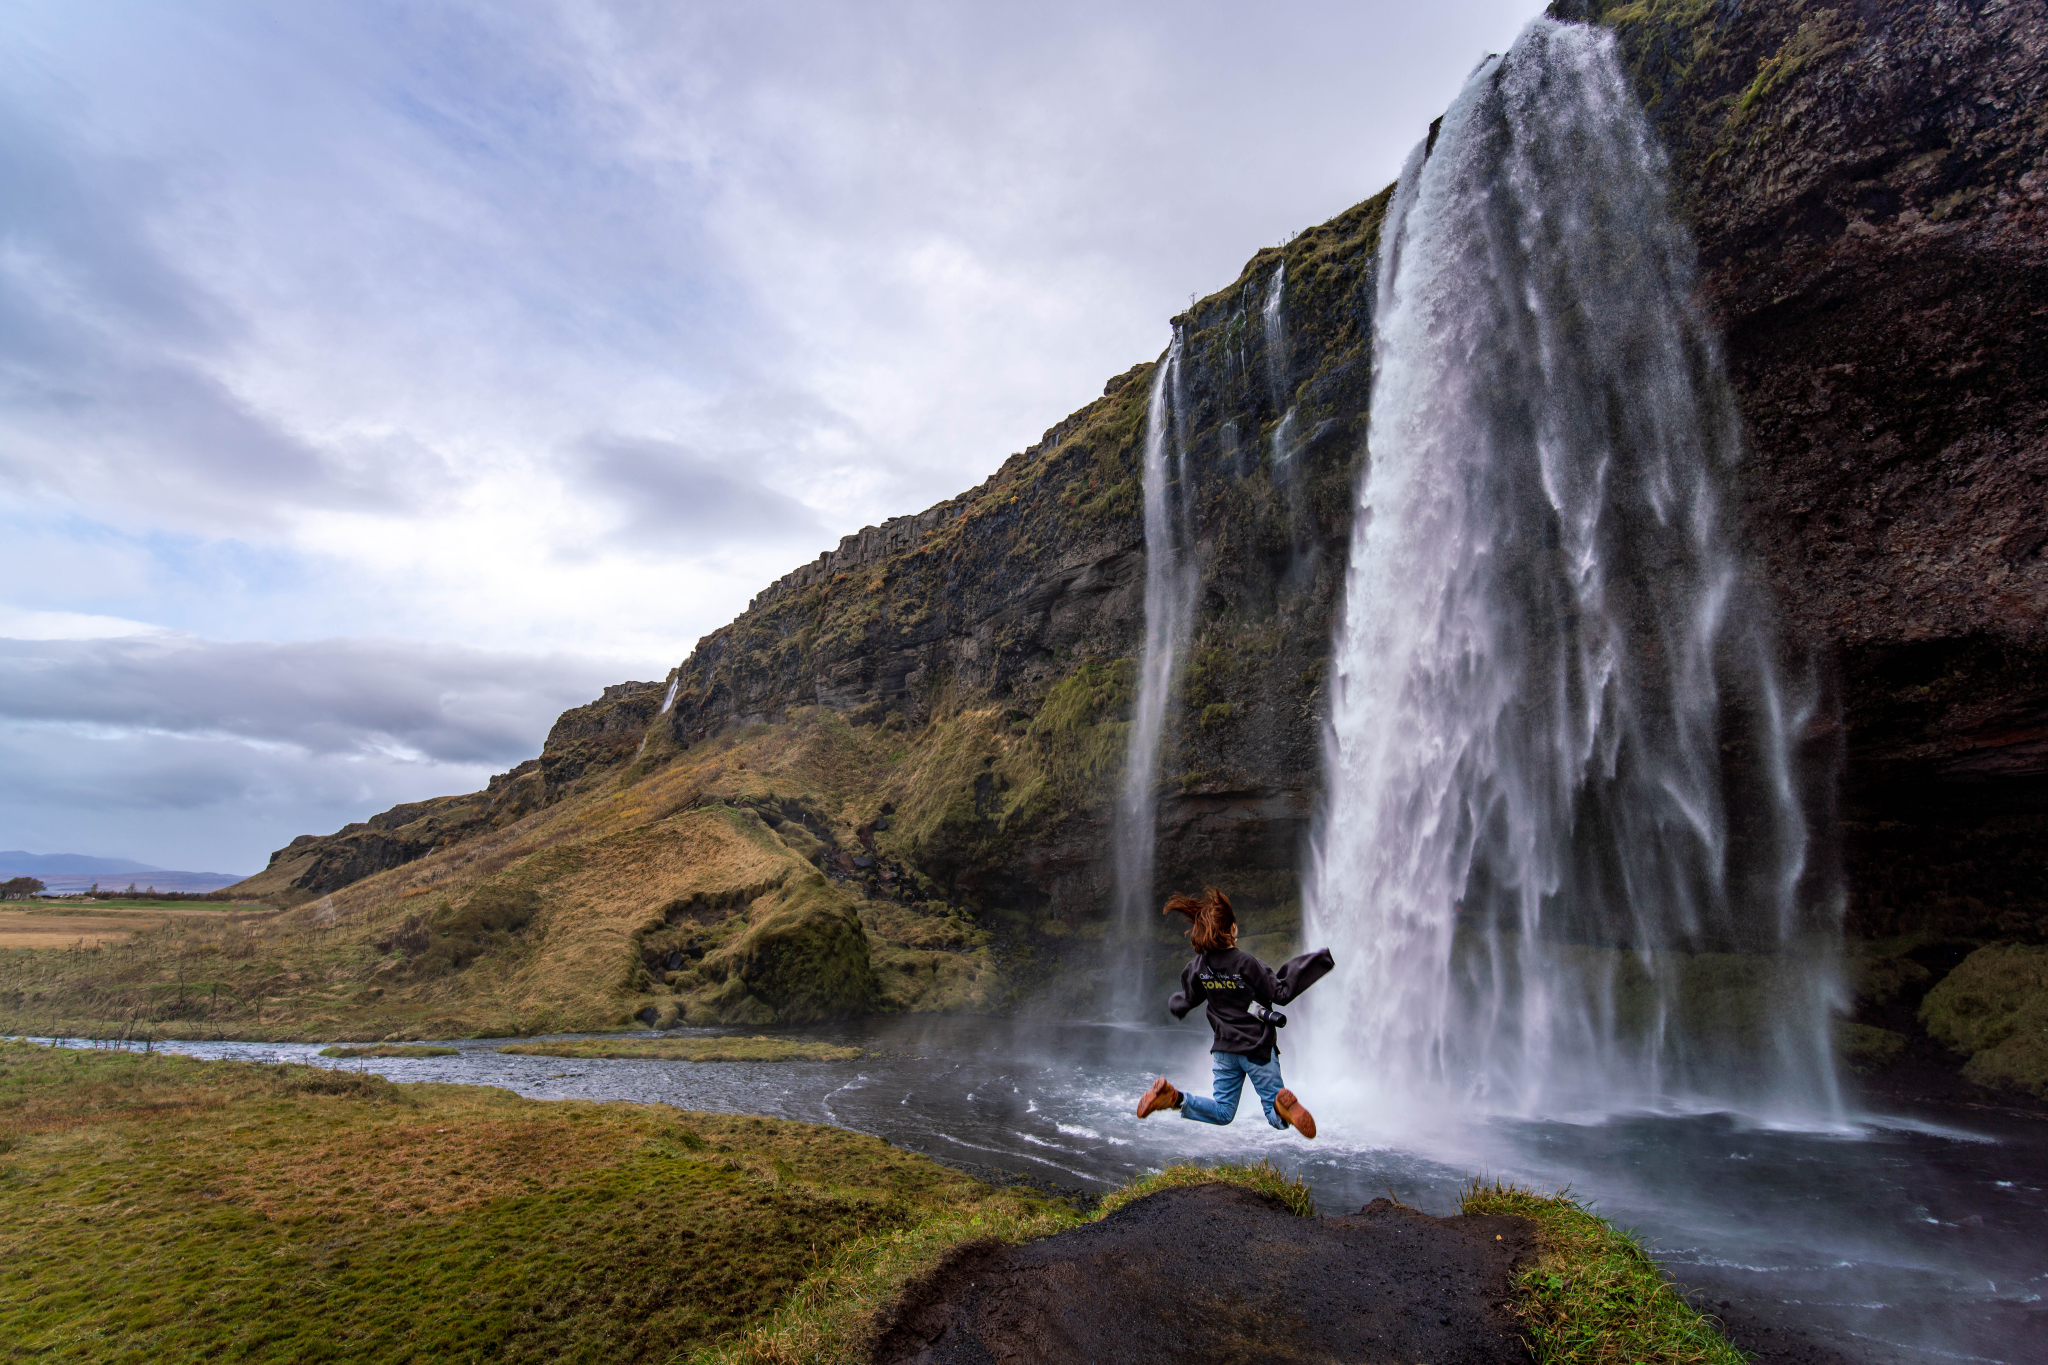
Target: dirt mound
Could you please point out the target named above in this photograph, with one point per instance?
(1216, 1273)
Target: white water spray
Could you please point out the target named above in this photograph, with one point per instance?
(1527, 865)
(1169, 603)
(1275, 324)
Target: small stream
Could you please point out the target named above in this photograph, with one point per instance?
(1895, 1239)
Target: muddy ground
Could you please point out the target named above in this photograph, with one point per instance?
(1215, 1275)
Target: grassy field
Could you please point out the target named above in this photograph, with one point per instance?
(692, 1050)
(156, 1208)
(81, 923)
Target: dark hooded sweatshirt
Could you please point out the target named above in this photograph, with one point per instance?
(1229, 979)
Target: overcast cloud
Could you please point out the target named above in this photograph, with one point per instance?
(455, 358)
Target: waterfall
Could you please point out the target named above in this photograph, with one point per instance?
(1548, 888)
(1287, 472)
(1169, 602)
(1275, 323)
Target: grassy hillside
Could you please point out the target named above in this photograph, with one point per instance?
(718, 885)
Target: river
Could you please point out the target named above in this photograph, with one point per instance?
(1893, 1238)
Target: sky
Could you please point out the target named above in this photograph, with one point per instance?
(379, 379)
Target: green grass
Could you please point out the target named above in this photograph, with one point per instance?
(1593, 1294)
(391, 1050)
(259, 1213)
(1262, 1176)
(756, 1049)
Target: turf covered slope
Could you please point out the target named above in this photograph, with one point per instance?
(712, 887)
(294, 1213)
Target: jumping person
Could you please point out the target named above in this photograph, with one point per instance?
(1239, 991)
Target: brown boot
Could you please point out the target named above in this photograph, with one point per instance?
(1162, 1095)
(1298, 1118)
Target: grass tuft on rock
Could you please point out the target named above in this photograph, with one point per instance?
(834, 1315)
(391, 1050)
(1261, 1175)
(1593, 1296)
(755, 1049)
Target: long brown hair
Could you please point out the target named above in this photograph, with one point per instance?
(1210, 918)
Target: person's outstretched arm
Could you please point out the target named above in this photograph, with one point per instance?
(1297, 974)
(1185, 998)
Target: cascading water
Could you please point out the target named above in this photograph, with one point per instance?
(1550, 888)
(1169, 601)
(1287, 471)
(1274, 323)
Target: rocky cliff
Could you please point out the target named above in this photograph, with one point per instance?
(1866, 184)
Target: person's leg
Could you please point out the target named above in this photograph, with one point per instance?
(1222, 1107)
(1265, 1077)
(1283, 1110)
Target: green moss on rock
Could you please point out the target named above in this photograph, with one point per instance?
(1864, 1048)
(801, 957)
(1993, 1008)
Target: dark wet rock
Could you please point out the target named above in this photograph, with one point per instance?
(1217, 1273)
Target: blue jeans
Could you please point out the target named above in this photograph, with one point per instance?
(1231, 1069)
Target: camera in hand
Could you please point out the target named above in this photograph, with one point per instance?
(1267, 1013)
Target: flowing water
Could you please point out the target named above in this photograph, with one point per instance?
(1169, 603)
(1896, 1240)
(1528, 868)
(1274, 323)
(1288, 474)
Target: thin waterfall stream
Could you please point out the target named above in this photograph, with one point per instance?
(1563, 859)
(1169, 604)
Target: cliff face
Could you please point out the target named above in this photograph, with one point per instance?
(1035, 581)
(935, 713)
(1868, 183)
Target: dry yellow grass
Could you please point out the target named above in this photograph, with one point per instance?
(42, 924)
(601, 870)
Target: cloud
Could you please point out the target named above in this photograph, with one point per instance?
(193, 802)
(557, 330)
(106, 348)
(672, 496)
(351, 698)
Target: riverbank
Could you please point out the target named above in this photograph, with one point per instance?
(159, 1208)
(322, 1214)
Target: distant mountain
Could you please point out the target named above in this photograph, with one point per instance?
(79, 871)
(17, 863)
